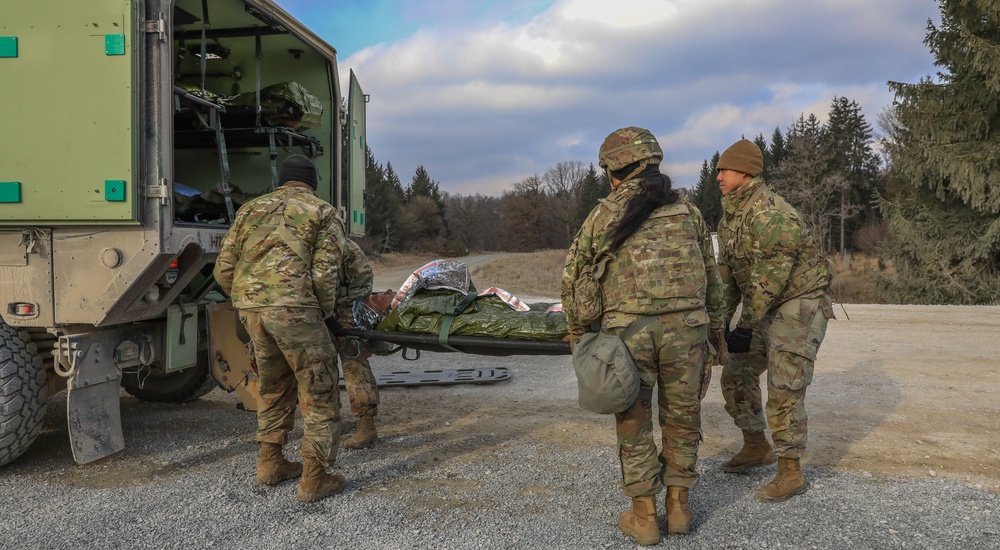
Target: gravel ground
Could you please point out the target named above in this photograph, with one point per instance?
(516, 464)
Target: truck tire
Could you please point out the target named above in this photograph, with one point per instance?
(173, 387)
(22, 393)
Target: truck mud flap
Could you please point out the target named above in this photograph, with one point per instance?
(434, 377)
(92, 401)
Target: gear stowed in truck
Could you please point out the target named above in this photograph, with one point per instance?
(135, 130)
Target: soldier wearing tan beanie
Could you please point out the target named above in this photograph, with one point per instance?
(770, 264)
(742, 156)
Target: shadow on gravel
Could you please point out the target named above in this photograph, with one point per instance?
(845, 407)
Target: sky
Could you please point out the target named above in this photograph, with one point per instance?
(486, 93)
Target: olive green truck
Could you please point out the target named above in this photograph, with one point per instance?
(133, 130)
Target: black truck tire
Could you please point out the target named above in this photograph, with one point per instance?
(169, 387)
(23, 393)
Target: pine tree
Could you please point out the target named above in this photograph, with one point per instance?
(847, 137)
(778, 149)
(765, 152)
(588, 197)
(804, 180)
(707, 196)
(423, 186)
(944, 150)
(383, 202)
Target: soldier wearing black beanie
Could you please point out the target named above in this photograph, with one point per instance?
(298, 168)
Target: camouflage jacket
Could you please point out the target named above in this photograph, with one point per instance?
(356, 280)
(667, 265)
(258, 266)
(767, 254)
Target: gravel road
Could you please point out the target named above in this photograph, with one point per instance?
(897, 459)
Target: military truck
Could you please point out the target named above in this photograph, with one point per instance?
(133, 130)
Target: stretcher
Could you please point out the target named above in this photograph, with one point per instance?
(474, 345)
(232, 369)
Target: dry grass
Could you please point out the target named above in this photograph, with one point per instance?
(855, 282)
(532, 273)
(397, 260)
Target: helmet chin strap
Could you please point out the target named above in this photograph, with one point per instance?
(642, 166)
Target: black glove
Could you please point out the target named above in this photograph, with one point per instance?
(738, 341)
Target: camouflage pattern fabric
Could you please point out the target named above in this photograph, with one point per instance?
(784, 345)
(667, 265)
(768, 253)
(666, 268)
(768, 260)
(356, 280)
(257, 268)
(669, 355)
(293, 350)
(627, 146)
(362, 389)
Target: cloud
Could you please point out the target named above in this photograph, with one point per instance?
(485, 105)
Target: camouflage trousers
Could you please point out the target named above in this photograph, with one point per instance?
(669, 354)
(296, 358)
(362, 389)
(784, 345)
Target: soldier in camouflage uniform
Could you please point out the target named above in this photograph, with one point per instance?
(362, 391)
(280, 263)
(660, 269)
(768, 262)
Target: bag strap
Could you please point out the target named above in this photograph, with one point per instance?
(281, 228)
(640, 323)
(470, 296)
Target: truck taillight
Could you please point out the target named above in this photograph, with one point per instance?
(22, 309)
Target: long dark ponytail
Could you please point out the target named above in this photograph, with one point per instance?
(656, 191)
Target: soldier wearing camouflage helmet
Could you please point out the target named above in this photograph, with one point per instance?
(769, 262)
(280, 263)
(658, 271)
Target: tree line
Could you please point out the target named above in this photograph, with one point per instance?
(536, 213)
(924, 197)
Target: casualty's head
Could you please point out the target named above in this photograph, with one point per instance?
(298, 168)
(633, 148)
(739, 164)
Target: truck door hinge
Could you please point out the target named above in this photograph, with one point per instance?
(157, 26)
(160, 191)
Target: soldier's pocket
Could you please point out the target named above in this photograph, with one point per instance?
(791, 371)
(695, 318)
(321, 365)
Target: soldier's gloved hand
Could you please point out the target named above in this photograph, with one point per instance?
(573, 339)
(738, 341)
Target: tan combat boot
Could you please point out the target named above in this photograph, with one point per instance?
(640, 522)
(365, 434)
(756, 451)
(679, 516)
(316, 484)
(787, 482)
(272, 467)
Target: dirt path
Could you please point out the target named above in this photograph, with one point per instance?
(393, 278)
(910, 390)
